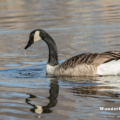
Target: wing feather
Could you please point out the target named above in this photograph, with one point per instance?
(94, 59)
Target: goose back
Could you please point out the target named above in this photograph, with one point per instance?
(86, 64)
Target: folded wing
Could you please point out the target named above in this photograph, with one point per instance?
(94, 59)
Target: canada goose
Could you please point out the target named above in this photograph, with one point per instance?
(86, 64)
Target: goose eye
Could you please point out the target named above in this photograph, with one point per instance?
(32, 34)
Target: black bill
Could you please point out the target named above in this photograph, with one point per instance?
(30, 42)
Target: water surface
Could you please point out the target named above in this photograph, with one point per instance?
(77, 26)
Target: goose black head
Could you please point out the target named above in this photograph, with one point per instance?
(35, 36)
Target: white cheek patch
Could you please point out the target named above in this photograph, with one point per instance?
(37, 36)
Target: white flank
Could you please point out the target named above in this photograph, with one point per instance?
(51, 69)
(109, 68)
(37, 36)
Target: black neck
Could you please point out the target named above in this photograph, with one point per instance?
(53, 55)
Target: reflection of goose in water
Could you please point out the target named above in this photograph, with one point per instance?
(81, 86)
(93, 86)
(54, 90)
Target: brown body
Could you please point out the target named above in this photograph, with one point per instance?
(85, 64)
